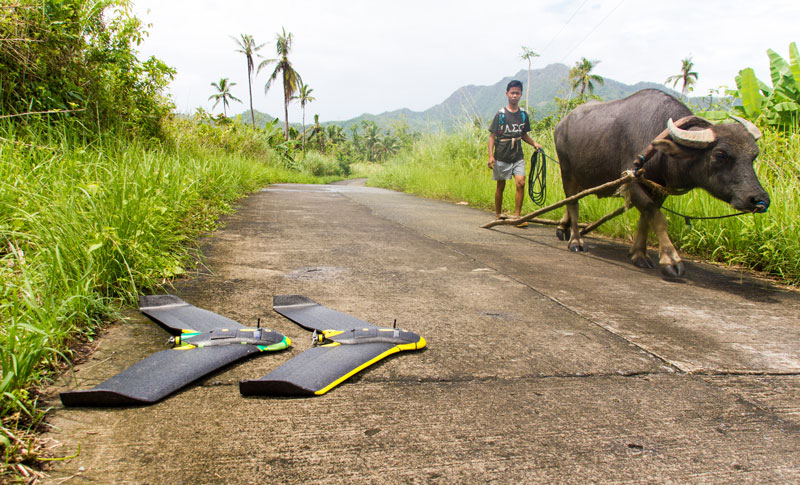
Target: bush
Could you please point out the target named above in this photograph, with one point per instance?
(77, 57)
(321, 165)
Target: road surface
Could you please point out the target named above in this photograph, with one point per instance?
(542, 365)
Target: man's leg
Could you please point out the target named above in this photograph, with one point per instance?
(520, 194)
(498, 197)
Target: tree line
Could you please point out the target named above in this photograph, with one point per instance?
(367, 142)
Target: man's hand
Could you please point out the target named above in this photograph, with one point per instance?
(491, 162)
(527, 139)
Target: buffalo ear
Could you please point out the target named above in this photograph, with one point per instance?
(670, 148)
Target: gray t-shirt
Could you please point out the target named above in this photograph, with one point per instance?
(508, 142)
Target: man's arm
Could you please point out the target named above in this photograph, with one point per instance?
(527, 139)
(492, 137)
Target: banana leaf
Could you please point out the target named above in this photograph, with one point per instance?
(778, 68)
(794, 64)
(788, 114)
(749, 93)
(787, 107)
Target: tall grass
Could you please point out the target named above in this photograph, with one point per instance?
(85, 227)
(452, 166)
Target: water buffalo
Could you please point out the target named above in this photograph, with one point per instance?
(596, 142)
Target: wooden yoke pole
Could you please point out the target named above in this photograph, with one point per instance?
(591, 227)
(615, 183)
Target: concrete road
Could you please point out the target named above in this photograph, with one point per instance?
(542, 366)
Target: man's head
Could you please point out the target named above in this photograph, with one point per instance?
(514, 84)
(514, 92)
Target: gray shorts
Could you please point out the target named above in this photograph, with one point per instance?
(504, 170)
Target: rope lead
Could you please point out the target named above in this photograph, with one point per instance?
(538, 177)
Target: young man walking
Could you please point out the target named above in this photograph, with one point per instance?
(509, 127)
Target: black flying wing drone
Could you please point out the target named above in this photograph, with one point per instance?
(204, 342)
(343, 346)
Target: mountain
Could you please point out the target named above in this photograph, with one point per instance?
(261, 118)
(483, 101)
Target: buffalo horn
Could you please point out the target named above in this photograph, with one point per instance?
(751, 128)
(692, 139)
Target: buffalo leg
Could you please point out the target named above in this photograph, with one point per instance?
(668, 258)
(571, 216)
(569, 185)
(652, 218)
(563, 230)
(575, 241)
(638, 252)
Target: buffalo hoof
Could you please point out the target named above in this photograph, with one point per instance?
(563, 234)
(644, 262)
(673, 270)
(577, 247)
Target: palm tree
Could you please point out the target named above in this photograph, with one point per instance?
(248, 47)
(371, 137)
(291, 79)
(305, 97)
(223, 94)
(527, 55)
(391, 144)
(581, 76)
(356, 138)
(688, 77)
(336, 134)
(317, 135)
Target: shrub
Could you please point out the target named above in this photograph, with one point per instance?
(321, 165)
(78, 56)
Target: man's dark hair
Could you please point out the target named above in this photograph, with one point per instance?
(514, 84)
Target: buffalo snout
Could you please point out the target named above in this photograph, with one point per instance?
(761, 203)
(754, 202)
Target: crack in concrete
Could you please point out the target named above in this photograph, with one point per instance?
(743, 373)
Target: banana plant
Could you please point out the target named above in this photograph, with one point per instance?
(779, 105)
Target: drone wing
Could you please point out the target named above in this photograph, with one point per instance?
(317, 370)
(312, 316)
(175, 315)
(157, 376)
(169, 370)
(355, 346)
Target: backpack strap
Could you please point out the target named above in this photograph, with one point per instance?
(502, 121)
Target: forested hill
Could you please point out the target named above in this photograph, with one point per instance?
(483, 101)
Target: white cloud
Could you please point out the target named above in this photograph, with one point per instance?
(376, 56)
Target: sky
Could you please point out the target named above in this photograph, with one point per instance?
(374, 56)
